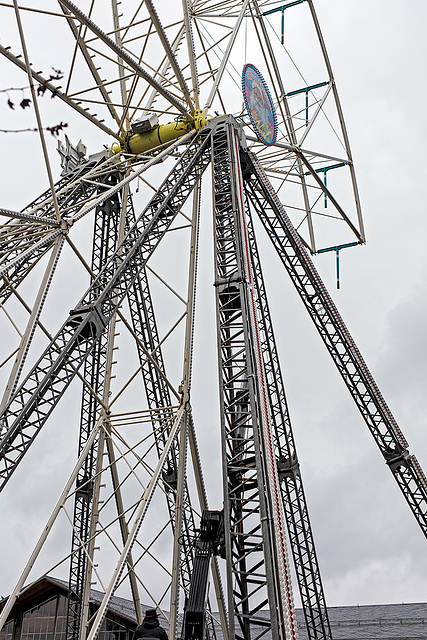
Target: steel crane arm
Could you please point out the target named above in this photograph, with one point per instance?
(339, 342)
(33, 402)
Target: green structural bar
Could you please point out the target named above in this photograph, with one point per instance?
(307, 89)
(325, 170)
(283, 7)
(282, 35)
(337, 253)
(339, 247)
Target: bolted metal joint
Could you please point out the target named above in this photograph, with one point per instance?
(246, 166)
(170, 479)
(84, 489)
(288, 467)
(396, 457)
(229, 292)
(90, 320)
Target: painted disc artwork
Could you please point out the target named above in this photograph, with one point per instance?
(259, 104)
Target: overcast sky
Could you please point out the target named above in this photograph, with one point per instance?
(370, 547)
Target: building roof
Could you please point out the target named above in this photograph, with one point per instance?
(405, 621)
(47, 586)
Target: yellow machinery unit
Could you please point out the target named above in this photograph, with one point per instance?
(147, 134)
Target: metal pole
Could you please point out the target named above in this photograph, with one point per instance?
(139, 517)
(32, 322)
(225, 58)
(71, 480)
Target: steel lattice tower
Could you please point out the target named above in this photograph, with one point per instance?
(133, 500)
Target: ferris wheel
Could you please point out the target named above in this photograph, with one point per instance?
(100, 316)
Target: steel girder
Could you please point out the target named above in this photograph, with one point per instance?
(260, 464)
(105, 241)
(296, 510)
(158, 397)
(22, 244)
(36, 398)
(340, 344)
(257, 569)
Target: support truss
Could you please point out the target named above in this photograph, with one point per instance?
(341, 346)
(33, 402)
(264, 500)
(257, 569)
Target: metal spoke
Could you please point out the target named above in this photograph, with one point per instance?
(88, 58)
(148, 76)
(124, 55)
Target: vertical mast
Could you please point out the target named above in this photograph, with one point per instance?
(258, 574)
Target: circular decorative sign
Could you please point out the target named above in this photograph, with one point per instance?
(259, 104)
